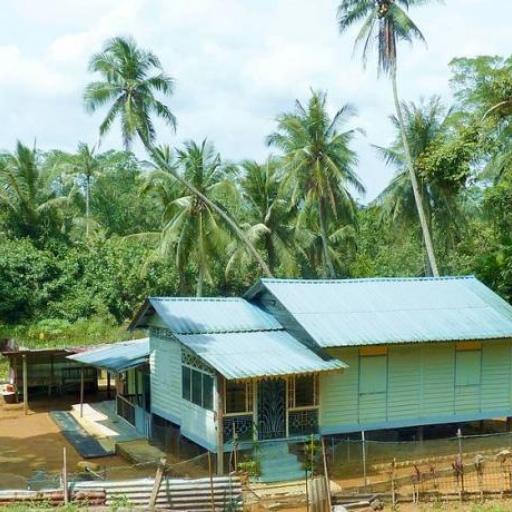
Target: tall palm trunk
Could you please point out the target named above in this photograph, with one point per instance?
(222, 214)
(329, 267)
(427, 238)
(87, 202)
(201, 263)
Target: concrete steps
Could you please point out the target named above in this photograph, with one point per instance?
(277, 464)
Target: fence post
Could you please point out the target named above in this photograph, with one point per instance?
(212, 496)
(65, 475)
(363, 440)
(326, 476)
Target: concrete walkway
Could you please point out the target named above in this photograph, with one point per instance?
(114, 433)
(101, 421)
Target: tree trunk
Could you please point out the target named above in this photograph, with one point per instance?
(329, 267)
(427, 238)
(87, 208)
(201, 260)
(222, 214)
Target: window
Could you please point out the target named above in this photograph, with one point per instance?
(197, 387)
(468, 367)
(372, 374)
(238, 398)
(303, 391)
(207, 391)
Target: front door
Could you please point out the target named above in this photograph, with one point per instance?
(272, 409)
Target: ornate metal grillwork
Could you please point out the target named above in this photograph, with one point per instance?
(242, 425)
(190, 359)
(272, 409)
(303, 422)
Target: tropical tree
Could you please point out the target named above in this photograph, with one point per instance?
(129, 90)
(131, 80)
(318, 164)
(82, 166)
(387, 22)
(270, 222)
(192, 231)
(34, 208)
(428, 128)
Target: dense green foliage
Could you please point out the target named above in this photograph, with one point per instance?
(86, 236)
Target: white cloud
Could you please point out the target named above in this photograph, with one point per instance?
(237, 64)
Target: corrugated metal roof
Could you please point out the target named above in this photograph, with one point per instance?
(117, 357)
(210, 315)
(257, 354)
(392, 310)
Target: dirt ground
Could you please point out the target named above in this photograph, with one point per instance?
(33, 443)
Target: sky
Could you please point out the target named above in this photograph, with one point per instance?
(237, 64)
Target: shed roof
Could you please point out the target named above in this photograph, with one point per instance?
(117, 357)
(207, 315)
(392, 310)
(245, 355)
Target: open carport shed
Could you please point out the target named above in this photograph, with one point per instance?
(48, 370)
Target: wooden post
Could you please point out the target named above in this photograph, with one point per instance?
(82, 386)
(25, 384)
(220, 423)
(108, 386)
(50, 380)
(65, 475)
(326, 475)
(210, 473)
(160, 471)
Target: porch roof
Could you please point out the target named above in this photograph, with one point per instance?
(244, 355)
(116, 357)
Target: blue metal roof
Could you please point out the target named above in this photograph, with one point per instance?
(392, 310)
(245, 355)
(117, 357)
(210, 315)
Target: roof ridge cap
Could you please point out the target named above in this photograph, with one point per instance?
(368, 279)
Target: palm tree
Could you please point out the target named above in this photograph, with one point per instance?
(82, 165)
(130, 92)
(427, 127)
(270, 220)
(318, 162)
(191, 229)
(33, 205)
(387, 22)
(132, 77)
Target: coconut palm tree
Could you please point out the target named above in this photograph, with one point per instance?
(427, 126)
(192, 231)
(31, 201)
(270, 220)
(131, 79)
(318, 162)
(84, 166)
(130, 91)
(387, 22)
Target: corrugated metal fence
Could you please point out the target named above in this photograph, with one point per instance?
(220, 493)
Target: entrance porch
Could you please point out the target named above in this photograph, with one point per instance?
(270, 409)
